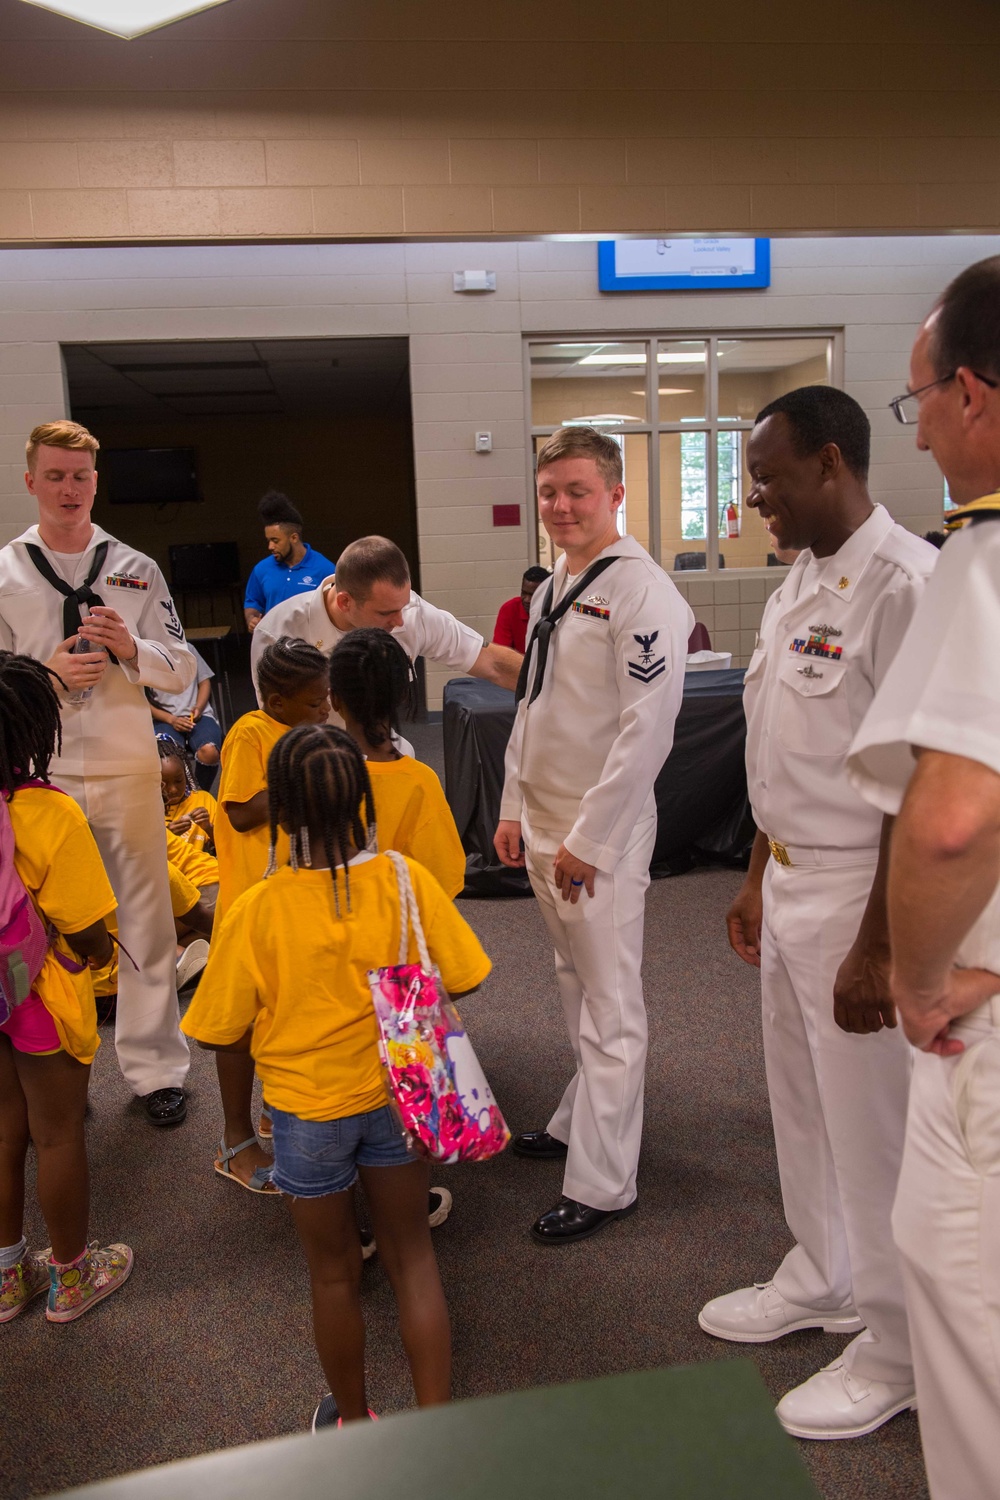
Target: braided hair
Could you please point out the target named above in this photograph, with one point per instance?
(372, 676)
(316, 776)
(168, 749)
(288, 665)
(30, 723)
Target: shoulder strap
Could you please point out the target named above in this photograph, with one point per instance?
(547, 622)
(409, 913)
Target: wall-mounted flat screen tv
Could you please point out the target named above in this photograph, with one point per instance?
(148, 476)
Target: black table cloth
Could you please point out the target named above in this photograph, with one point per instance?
(701, 792)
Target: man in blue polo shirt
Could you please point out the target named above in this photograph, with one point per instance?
(293, 566)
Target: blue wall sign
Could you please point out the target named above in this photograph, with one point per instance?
(708, 265)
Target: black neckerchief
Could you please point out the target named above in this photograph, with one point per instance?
(72, 598)
(548, 621)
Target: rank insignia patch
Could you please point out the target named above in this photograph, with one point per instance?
(649, 666)
(596, 611)
(126, 581)
(173, 624)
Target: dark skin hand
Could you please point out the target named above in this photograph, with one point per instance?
(862, 1001)
(92, 943)
(744, 917)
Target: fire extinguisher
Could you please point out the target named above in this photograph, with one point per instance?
(732, 520)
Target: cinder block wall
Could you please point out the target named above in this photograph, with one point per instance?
(466, 363)
(333, 118)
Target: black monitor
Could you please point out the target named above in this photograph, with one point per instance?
(205, 566)
(148, 476)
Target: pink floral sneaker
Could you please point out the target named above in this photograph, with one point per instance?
(83, 1283)
(20, 1283)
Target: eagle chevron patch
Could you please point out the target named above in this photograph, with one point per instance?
(647, 674)
(646, 669)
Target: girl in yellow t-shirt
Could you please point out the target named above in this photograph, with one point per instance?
(48, 1041)
(371, 685)
(287, 980)
(293, 686)
(188, 811)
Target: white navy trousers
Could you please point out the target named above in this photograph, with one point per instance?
(598, 954)
(947, 1226)
(838, 1104)
(125, 814)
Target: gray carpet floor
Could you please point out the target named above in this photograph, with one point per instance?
(210, 1344)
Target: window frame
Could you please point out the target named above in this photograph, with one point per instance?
(652, 428)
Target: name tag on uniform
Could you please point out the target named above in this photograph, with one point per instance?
(126, 581)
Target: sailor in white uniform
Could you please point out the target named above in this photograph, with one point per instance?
(811, 913)
(371, 589)
(601, 690)
(929, 750)
(108, 761)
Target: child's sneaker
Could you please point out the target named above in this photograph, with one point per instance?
(439, 1202)
(86, 1281)
(20, 1283)
(327, 1415)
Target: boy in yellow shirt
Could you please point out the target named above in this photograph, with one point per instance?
(292, 679)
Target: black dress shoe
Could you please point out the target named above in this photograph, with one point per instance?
(165, 1106)
(540, 1145)
(570, 1221)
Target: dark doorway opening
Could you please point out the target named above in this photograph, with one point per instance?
(326, 421)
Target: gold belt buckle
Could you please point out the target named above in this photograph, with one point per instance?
(779, 852)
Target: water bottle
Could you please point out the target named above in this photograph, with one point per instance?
(83, 695)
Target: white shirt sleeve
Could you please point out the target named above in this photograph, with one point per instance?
(164, 660)
(653, 629)
(942, 690)
(437, 635)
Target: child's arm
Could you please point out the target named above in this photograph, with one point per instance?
(92, 943)
(246, 816)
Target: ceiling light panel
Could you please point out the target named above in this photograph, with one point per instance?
(126, 18)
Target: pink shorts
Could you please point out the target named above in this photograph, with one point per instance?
(30, 1028)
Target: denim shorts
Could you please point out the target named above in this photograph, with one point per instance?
(316, 1157)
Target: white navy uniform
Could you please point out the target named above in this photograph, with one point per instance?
(838, 1101)
(943, 693)
(425, 631)
(580, 768)
(109, 765)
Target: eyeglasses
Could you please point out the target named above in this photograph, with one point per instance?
(906, 408)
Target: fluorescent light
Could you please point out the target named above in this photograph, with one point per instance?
(602, 419)
(640, 359)
(669, 390)
(126, 18)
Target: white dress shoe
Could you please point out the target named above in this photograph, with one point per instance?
(759, 1313)
(836, 1404)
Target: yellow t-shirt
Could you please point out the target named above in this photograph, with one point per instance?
(196, 836)
(243, 856)
(411, 815)
(57, 858)
(199, 868)
(287, 964)
(184, 894)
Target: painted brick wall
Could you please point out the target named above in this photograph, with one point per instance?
(330, 118)
(466, 365)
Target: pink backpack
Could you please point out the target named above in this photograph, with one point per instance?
(24, 937)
